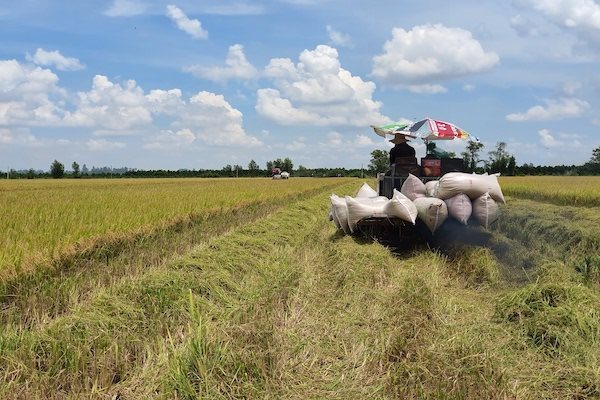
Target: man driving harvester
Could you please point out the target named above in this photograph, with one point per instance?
(403, 156)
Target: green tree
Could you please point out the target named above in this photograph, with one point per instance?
(512, 166)
(302, 171)
(287, 165)
(270, 166)
(75, 167)
(253, 166)
(30, 173)
(471, 154)
(595, 156)
(499, 159)
(57, 169)
(380, 161)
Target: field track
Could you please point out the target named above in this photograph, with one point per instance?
(275, 304)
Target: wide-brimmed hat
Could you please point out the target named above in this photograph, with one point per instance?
(399, 138)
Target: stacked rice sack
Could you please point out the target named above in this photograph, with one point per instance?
(464, 195)
(457, 195)
(346, 212)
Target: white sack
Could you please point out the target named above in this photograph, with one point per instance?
(413, 188)
(364, 207)
(332, 216)
(431, 188)
(341, 212)
(401, 207)
(460, 208)
(485, 210)
(432, 211)
(472, 185)
(366, 191)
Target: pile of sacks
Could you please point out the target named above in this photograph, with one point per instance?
(456, 195)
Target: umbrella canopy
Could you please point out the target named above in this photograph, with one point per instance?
(431, 129)
(391, 129)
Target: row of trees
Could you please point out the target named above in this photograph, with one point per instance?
(500, 160)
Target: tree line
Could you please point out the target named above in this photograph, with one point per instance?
(499, 160)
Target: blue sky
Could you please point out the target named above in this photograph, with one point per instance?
(188, 84)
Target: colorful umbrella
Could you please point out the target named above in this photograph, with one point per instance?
(391, 129)
(431, 129)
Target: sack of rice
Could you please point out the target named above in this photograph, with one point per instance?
(366, 191)
(340, 211)
(401, 207)
(413, 188)
(359, 208)
(460, 208)
(332, 216)
(431, 211)
(431, 188)
(472, 185)
(485, 210)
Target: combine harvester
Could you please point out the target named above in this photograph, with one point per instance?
(421, 199)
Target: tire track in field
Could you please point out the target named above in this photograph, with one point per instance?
(30, 299)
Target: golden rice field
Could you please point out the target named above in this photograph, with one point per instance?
(562, 190)
(42, 217)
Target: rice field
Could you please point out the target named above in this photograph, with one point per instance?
(262, 297)
(42, 218)
(564, 190)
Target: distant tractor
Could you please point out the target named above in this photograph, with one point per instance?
(276, 173)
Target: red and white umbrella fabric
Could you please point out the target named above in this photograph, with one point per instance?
(432, 129)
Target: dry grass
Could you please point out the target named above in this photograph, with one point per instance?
(561, 190)
(44, 219)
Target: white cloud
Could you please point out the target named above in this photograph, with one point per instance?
(236, 67)
(338, 38)
(430, 53)
(170, 140)
(547, 139)
(104, 145)
(336, 140)
(427, 89)
(582, 16)
(18, 137)
(523, 26)
(125, 8)
(317, 91)
(111, 107)
(296, 145)
(469, 87)
(26, 95)
(213, 120)
(192, 27)
(554, 110)
(54, 58)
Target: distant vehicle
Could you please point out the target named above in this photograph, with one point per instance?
(276, 173)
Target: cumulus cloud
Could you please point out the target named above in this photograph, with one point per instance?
(553, 110)
(549, 140)
(170, 140)
(236, 67)
(20, 136)
(109, 107)
(192, 27)
(26, 94)
(430, 53)
(579, 16)
(125, 8)
(103, 145)
(54, 58)
(427, 89)
(338, 38)
(213, 120)
(317, 91)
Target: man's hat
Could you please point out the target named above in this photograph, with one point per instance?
(400, 138)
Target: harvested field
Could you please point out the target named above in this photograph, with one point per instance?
(280, 305)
